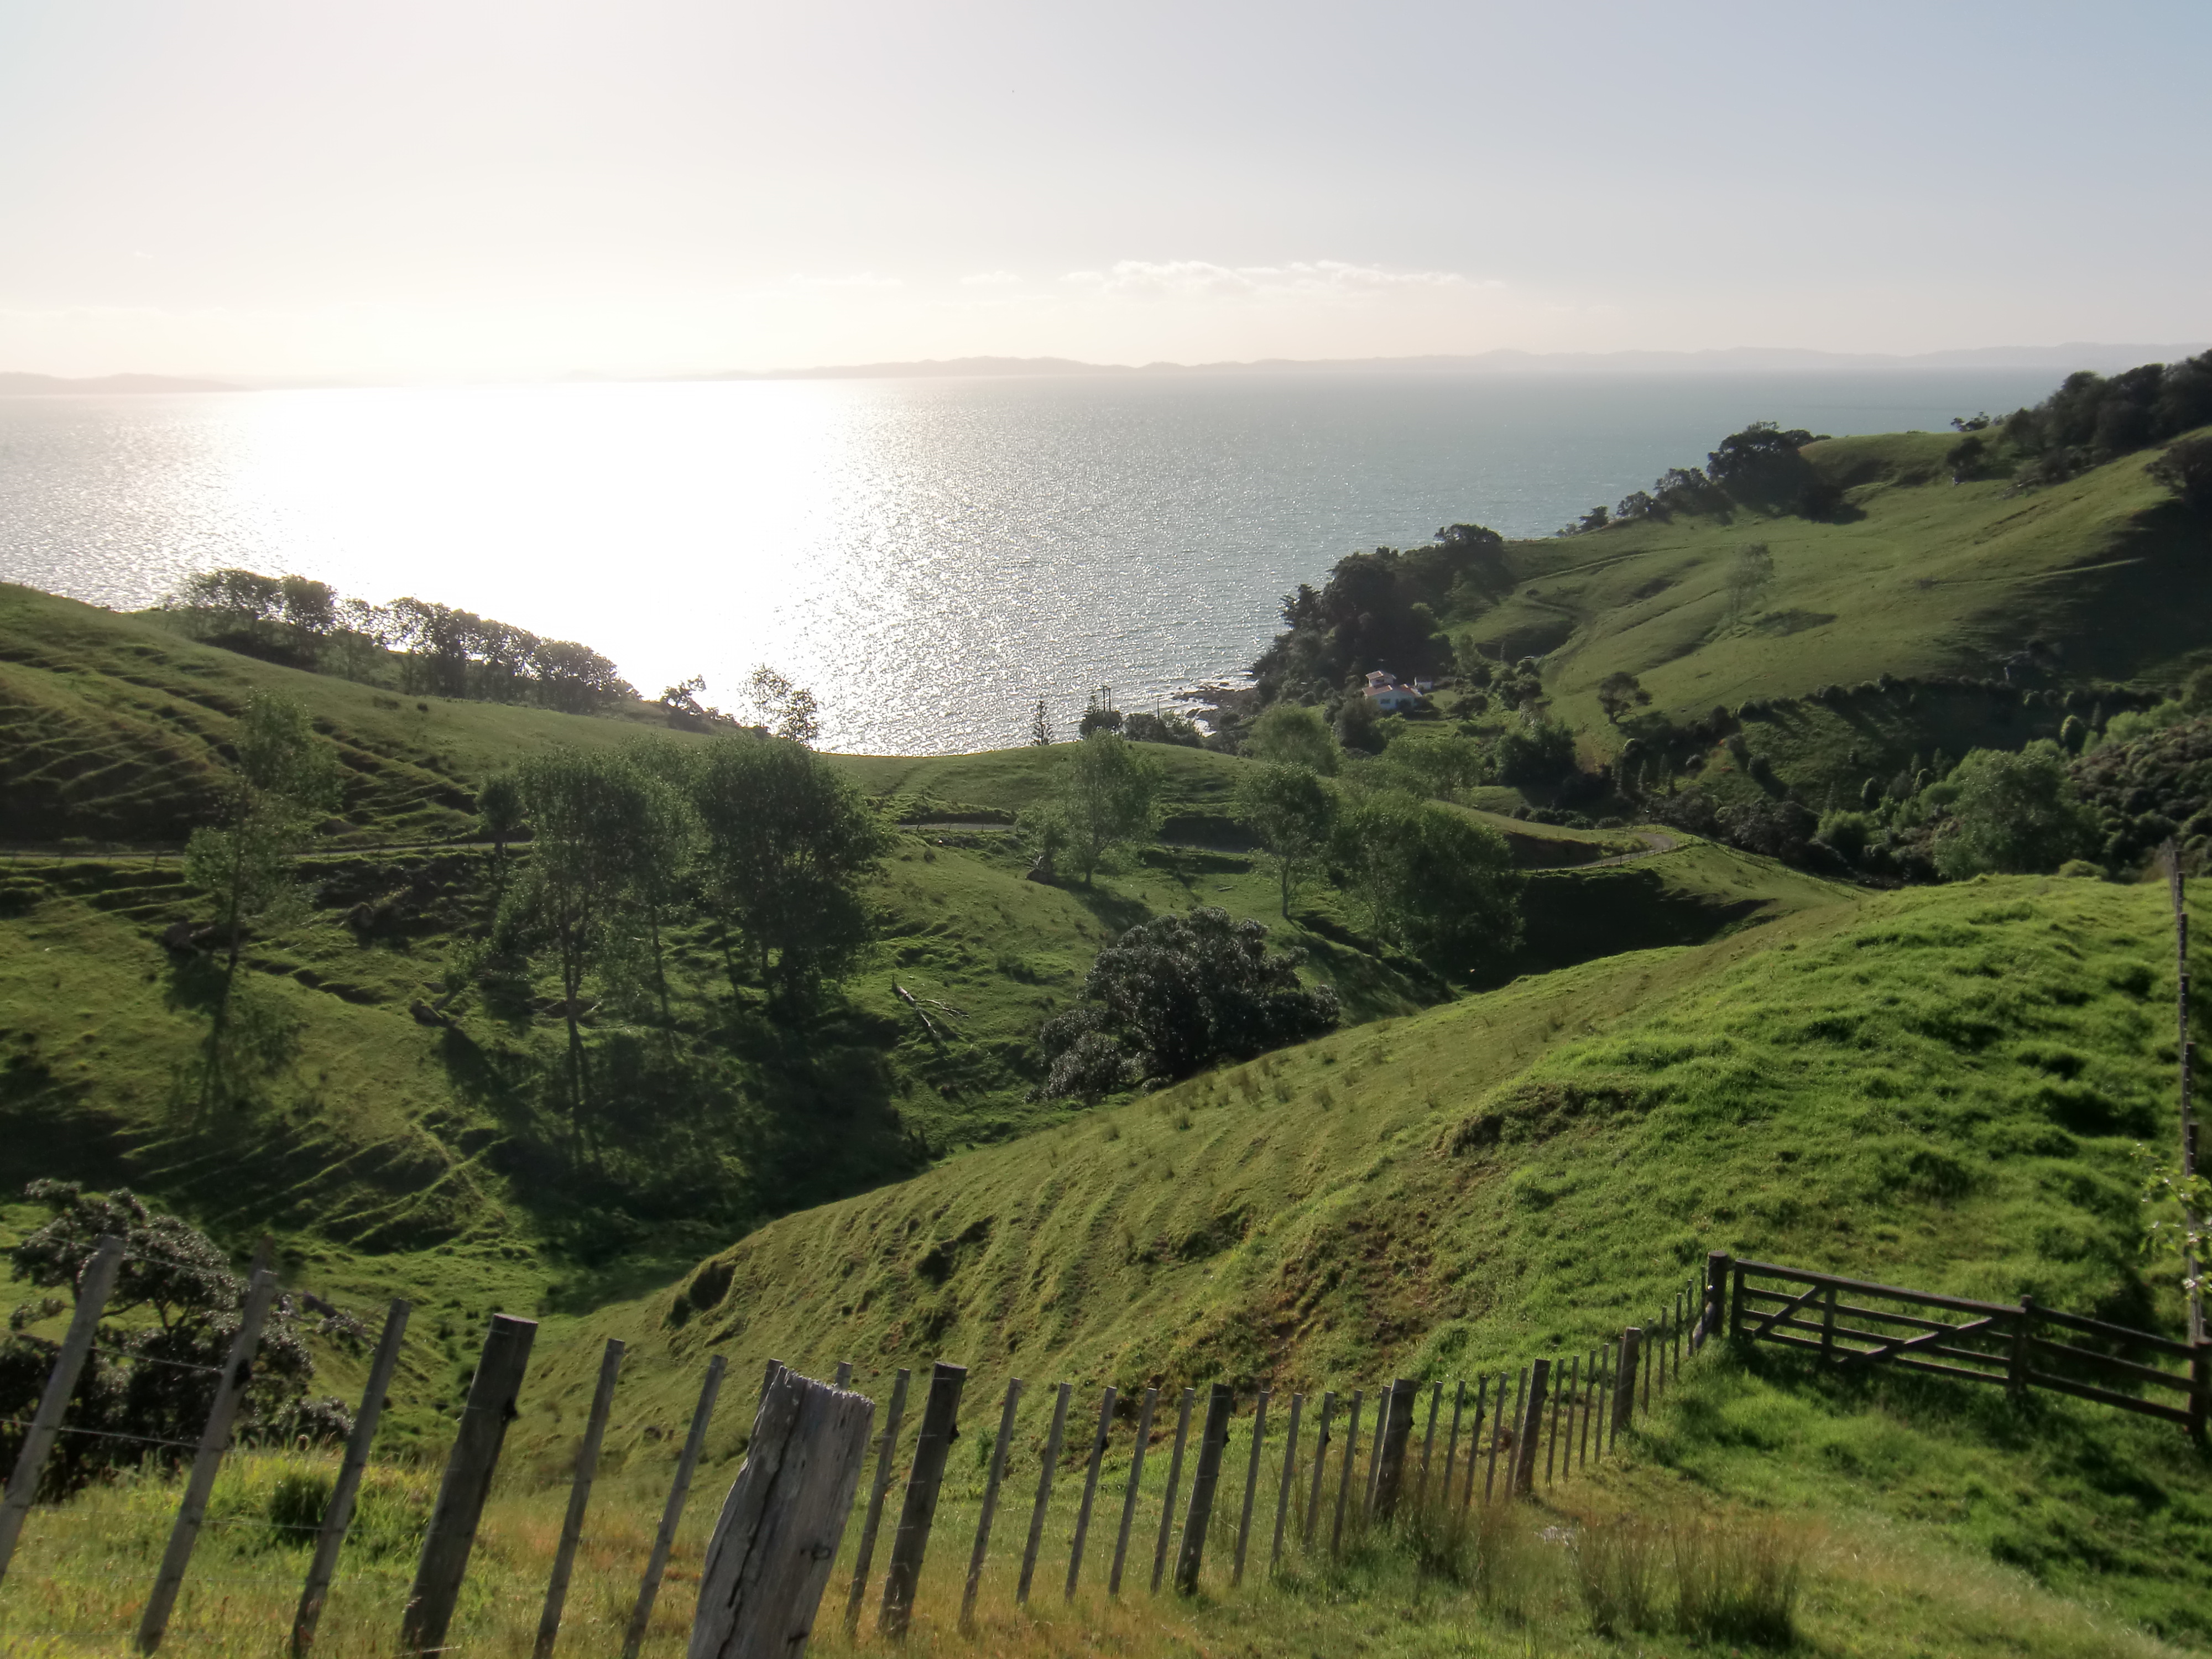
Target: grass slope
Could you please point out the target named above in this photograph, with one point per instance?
(1938, 1088)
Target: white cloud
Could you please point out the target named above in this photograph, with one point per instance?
(990, 279)
(1322, 279)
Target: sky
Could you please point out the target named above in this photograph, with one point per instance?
(428, 189)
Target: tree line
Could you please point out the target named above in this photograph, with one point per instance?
(414, 646)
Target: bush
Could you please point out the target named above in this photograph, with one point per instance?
(1540, 752)
(1848, 833)
(2186, 470)
(2016, 814)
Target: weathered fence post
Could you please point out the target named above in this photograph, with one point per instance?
(990, 1503)
(941, 1415)
(485, 1414)
(94, 1287)
(865, 1555)
(215, 1440)
(1587, 1399)
(1174, 1479)
(1474, 1439)
(1043, 1492)
(843, 1377)
(2199, 1393)
(1394, 1434)
(1451, 1440)
(1211, 1444)
(1090, 1491)
(672, 1514)
(1429, 1440)
(337, 1513)
(1136, 1480)
(769, 1558)
(1713, 1316)
(1529, 1429)
(1498, 1432)
(1251, 1488)
(1319, 1462)
(1283, 1487)
(2016, 1370)
(1343, 1475)
(579, 1497)
(1563, 1399)
(1623, 1387)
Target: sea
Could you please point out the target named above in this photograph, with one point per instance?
(931, 556)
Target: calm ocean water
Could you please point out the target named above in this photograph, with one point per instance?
(932, 557)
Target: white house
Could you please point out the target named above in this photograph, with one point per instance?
(1385, 693)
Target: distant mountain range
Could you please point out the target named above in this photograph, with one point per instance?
(19, 384)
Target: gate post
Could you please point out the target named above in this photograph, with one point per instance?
(1714, 1318)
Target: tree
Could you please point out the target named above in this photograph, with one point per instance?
(1041, 727)
(1292, 734)
(1099, 713)
(499, 815)
(786, 844)
(1293, 812)
(284, 779)
(1165, 726)
(1749, 575)
(2016, 814)
(161, 1345)
(1431, 878)
(1536, 752)
(1175, 993)
(1618, 693)
(788, 711)
(1109, 794)
(2186, 468)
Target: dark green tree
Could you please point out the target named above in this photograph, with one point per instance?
(2016, 814)
(1618, 693)
(1293, 812)
(1431, 878)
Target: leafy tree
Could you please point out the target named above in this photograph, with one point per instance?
(2186, 468)
(167, 1331)
(1176, 994)
(787, 843)
(1165, 727)
(500, 815)
(2014, 814)
(1431, 878)
(1435, 764)
(1619, 692)
(1536, 752)
(1041, 727)
(284, 779)
(1761, 467)
(788, 711)
(1292, 811)
(1749, 575)
(1109, 794)
(1099, 713)
(1292, 734)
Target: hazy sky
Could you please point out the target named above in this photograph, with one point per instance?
(474, 187)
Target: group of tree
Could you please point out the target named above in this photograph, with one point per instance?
(160, 1345)
(1762, 468)
(411, 645)
(2093, 419)
(1141, 726)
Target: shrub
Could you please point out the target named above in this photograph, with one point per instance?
(1848, 833)
(2016, 814)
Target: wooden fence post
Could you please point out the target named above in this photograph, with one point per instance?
(2200, 1394)
(1623, 1388)
(1396, 1433)
(215, 1440)
(1588, 1401)
(770, 1556)
(940, 1416)
(1499, 1431)
(865, 1557)
(1565, 1400)
(1475, 1440)
(1529, 1429)
(1136, 1480)
(94, 1287)
(484, 1416)
(1251, 1488)
(990, 1503)
(579, 1497)
(1090, 1490)
(672, 1514)
(1344, 1474)
(337, 1513)
(843, 1377)
(1319, 1462)
(2016, 1370)
(1211, 1447)
(1283, 1487)
(1429, 1440)
(1043, 1492)
(1451, 1439)
(1174, 1479)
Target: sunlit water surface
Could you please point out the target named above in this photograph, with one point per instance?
(931, 556)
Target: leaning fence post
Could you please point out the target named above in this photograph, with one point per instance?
(940, 1416)
(1319, 1462)
(1129, 1500)
(1385, 1399)
(1251, 1486)
(1451, 1439)
(884, 1453)
(1474, 1438)
(580, 1497)
(1623, 1388)
(990, 1503)
(93, 1287)
(1429, 1440)
(1394, 1433)
(1090, 1490)
(1175, 1480)
(1211, 1446)
(672, 1514)
(1043, 1493)
(1499, 1431)
(1529, 1429)
(215, 1440)
(461, 1494)
(1344, 1474)
(337, 1513)
(1283, 1487)
(769, 1558)
(1563, 1399)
